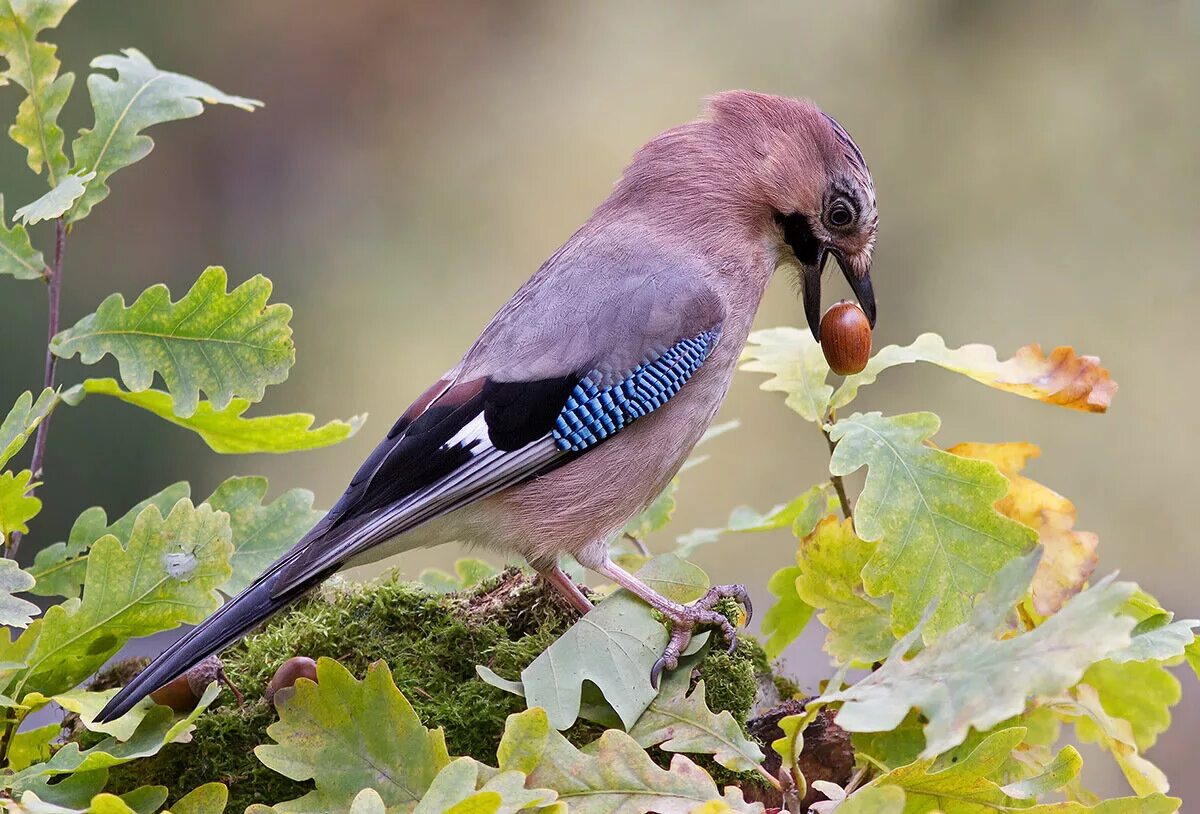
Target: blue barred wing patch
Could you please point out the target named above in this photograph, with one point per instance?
(593, 413)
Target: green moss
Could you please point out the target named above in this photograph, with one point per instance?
(432, 643)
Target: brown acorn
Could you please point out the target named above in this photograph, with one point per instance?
(183, 692)
(846, 338)
(285, 677)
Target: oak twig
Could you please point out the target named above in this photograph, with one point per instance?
(53, 277)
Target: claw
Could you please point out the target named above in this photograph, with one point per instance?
(657, 670)
(684, 619)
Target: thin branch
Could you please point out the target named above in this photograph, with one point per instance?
(838, 485)
(53, 277)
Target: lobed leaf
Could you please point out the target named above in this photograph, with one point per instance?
(972, 678)
(348, 735)
(17, 255)
(156, 730)
(1062, 378)
(225, 344)
(967, 787)
(613, 647)
(830, 561)
(462, 789)
(1068, 556)
(874, 800)
(1141, 693)
(15, 612)
(261, 533)
(614, 775)
(932, 515)
(140, 96)
(17, 507)
(801, 515)
(785, 620)
(678, 722)
(22, 420)
(56, 202)
(34, 66)
(167, 576)
(1083, 708)
(60, 568)
(207, 799)
(227, 432)
(797, 367)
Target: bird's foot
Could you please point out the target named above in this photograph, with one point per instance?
(684, 619)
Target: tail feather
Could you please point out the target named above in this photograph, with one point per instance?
(233, 620)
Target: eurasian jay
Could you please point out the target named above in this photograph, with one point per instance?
(585, 393)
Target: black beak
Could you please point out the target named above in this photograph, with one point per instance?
(860, 284)
(811, 283)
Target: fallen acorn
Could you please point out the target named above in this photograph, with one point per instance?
(846, 338)
(183, 692)
(289, 672)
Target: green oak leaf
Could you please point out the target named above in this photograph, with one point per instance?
(785, 620)
(612, 775)
(460, 788)
(34, 66)
(207, 799)
(972, 678)
(60, 568)
(801, 514)
(1083, 708)
(144, 800)
(468, 572)
(17, 507)
(874, 800)
(140, 96)
(24, 417)
(226, 344)
(33, 746)
(347, 735)
(614, 647)
(797, 367)
(932, 515)
(1062, 378)
(57, 201)
(262, 533)
(87, 705)
(677, 721)
(968, 787)
(1158, 639)
(1140, 692)
(227, 431)
(904, 744)
(830, 561)
(156, 730)
(166, 576)
(17, 255)
(14, 611)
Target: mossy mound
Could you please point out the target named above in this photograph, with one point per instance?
(432, 643)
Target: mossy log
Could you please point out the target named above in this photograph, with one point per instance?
(432, 642)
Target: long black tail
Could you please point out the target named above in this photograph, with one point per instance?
(232, 621)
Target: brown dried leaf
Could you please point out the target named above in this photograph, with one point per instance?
(1070, 555)
(1063, 378)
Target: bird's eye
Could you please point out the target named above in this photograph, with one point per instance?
(840, 215)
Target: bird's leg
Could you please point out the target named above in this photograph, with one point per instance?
(683, 619)
(562, 583)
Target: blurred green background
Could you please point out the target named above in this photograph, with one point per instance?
(1036, 167)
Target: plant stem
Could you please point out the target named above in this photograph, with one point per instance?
(838, 485)
(53, 276)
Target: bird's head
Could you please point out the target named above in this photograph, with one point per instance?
(814, 185)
